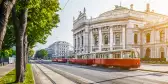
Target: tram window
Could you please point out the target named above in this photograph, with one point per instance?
(127, 55)
(107, 57)
(96, 56)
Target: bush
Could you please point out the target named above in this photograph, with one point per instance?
(155, 60)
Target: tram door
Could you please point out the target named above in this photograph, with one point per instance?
(117, 55)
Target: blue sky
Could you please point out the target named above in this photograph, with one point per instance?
(94, 8)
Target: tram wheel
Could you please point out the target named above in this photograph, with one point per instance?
(125, 68)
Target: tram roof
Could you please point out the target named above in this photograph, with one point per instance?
(118, 50)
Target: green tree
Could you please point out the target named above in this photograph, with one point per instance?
(30, 17)
(5, 9)
(43, 53)
(42, 19)
(5, 54)
(31, 52)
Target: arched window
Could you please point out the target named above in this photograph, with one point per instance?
(147, 37)
(162, 52)
(135, 38)
(105, 39)
(148, 51)
(162, 34)
(96, 40)
(117, 38)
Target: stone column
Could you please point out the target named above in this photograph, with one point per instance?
(111, 38)
(157, 36)
(80, 42)
(77, 47)
(91, 40)
(152, 36)
(166, 34)
(166, 53)
(100, 39)
(85, 39)
(80, 36)
(157, 52)
(74, 37)
(123, 37)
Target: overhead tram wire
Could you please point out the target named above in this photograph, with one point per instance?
(65, 5)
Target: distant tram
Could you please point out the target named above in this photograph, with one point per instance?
(125, 58)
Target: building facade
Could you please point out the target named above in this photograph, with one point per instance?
(122, 28)
(59, 49)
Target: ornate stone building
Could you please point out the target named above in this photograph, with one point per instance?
(60, 49)
(122, 28)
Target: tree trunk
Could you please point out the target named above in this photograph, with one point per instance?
(25, 50)
(20, 29)
(5, 9)
(27, 53)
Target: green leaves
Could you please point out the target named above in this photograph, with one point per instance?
(41, 20)
(6, 53)
(43, 52)
(31, 52)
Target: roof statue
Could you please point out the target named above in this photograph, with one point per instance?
(120, 7)
(80, 12)
(84, 10)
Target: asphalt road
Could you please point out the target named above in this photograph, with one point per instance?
(111, 75)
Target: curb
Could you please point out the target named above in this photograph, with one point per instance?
(70, 76)
(153, 70)
(33, 75)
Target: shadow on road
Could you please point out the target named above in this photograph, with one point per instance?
(97, 68)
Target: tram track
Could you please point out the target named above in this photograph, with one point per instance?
(53, 82)
(93, 74)
(76, 79)
(108, 76)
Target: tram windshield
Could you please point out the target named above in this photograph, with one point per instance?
(129, 54)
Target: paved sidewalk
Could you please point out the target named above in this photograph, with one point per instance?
(154, 67)
(40, 78)
(6, 69)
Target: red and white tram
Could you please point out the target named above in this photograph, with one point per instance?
(125, 58)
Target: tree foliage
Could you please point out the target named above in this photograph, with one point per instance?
(9, 40)
(41, 53)
(42, 19)
(31, 52)
(6, 53)
(5, 10)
